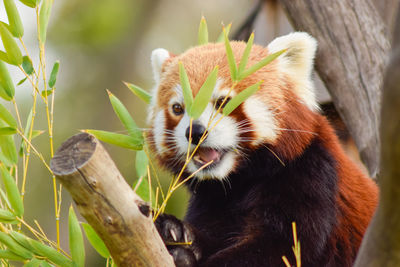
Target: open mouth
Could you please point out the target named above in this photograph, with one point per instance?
(204, 155)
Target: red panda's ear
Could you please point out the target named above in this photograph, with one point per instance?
(298, 62)
(158, 57)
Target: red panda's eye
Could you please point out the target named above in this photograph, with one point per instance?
(220, 102)
(177, 109)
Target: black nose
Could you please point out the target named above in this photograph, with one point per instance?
(197, 132)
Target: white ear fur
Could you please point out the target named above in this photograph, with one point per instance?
(158, 56)
(298, 61)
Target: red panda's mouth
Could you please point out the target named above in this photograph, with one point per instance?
(205, 155)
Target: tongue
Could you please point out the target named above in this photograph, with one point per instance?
(208, 154)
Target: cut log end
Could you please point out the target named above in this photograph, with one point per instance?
(73, 154)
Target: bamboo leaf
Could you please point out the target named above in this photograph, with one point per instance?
(14, 19)
(30, 3)
(125, 117)
(21, 239)
(7, 90)
(4, 57)
(45, 93)
(27, 65)
(246, 54)
(53, 75)
(50, 253)
(204, 95)
(139, 92)
(220, 38)
(203, 32)
(16, 248)
(9, 255)
(142, 188)
(186, 90)
(7, 146)
(12, 191)
(230, 57)
(240, 98)
(142, 161)
(76, 245)
(44, 16)
(265, 61)
(95, 241)
(6, 116)
(22, 81)
(120, 140)
(7, 216)
(13, 53)
(34, 262)
(7, 131)
(46, 264)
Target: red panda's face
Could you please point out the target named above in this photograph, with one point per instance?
(259, 121)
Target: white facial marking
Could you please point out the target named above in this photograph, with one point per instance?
(220, 172)
(262, 120)
(159, 131)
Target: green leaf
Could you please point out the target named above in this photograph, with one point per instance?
(120, 140)
(6, 116)
(13, 53)
(14, 246)
(265, 61)
(9, 255)
(95, 241)
(220, 38)
(30, 3)
(21, 239)
(142, 188)
(204, 95)
(50, 253)
(53, 75)
(45, 93)
(125, 117)
(7, 146)
(4, 57)
(142, 161)
(35, 133)
(14, 19)
(44, 16)
(186, 90)
(7, 216)
(76, 245)
(139, 92)
(35, 262)
(7, 131)
(46, 264)
(7, 90)
(22, 81)
(203, 32)
(246, 54)
(12, 191)
(230, 57)
(240, 98)
(27, 65)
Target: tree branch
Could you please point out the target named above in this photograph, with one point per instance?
(108, 203)
(381, 244)
(350, 60)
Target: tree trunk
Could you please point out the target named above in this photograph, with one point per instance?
(381, 244)
(350, 60)
(120, 217)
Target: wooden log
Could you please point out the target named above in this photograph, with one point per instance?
(353, 45)
(119, 216)
(381, 244)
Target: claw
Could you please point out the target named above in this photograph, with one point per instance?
(173, 235)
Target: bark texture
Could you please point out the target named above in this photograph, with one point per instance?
(381, 244)
(120, 217)
(350, 60)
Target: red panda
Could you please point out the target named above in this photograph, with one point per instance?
(276, 160)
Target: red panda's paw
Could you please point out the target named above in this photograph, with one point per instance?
(179, 238)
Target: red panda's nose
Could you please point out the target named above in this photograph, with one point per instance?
(197, 132)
